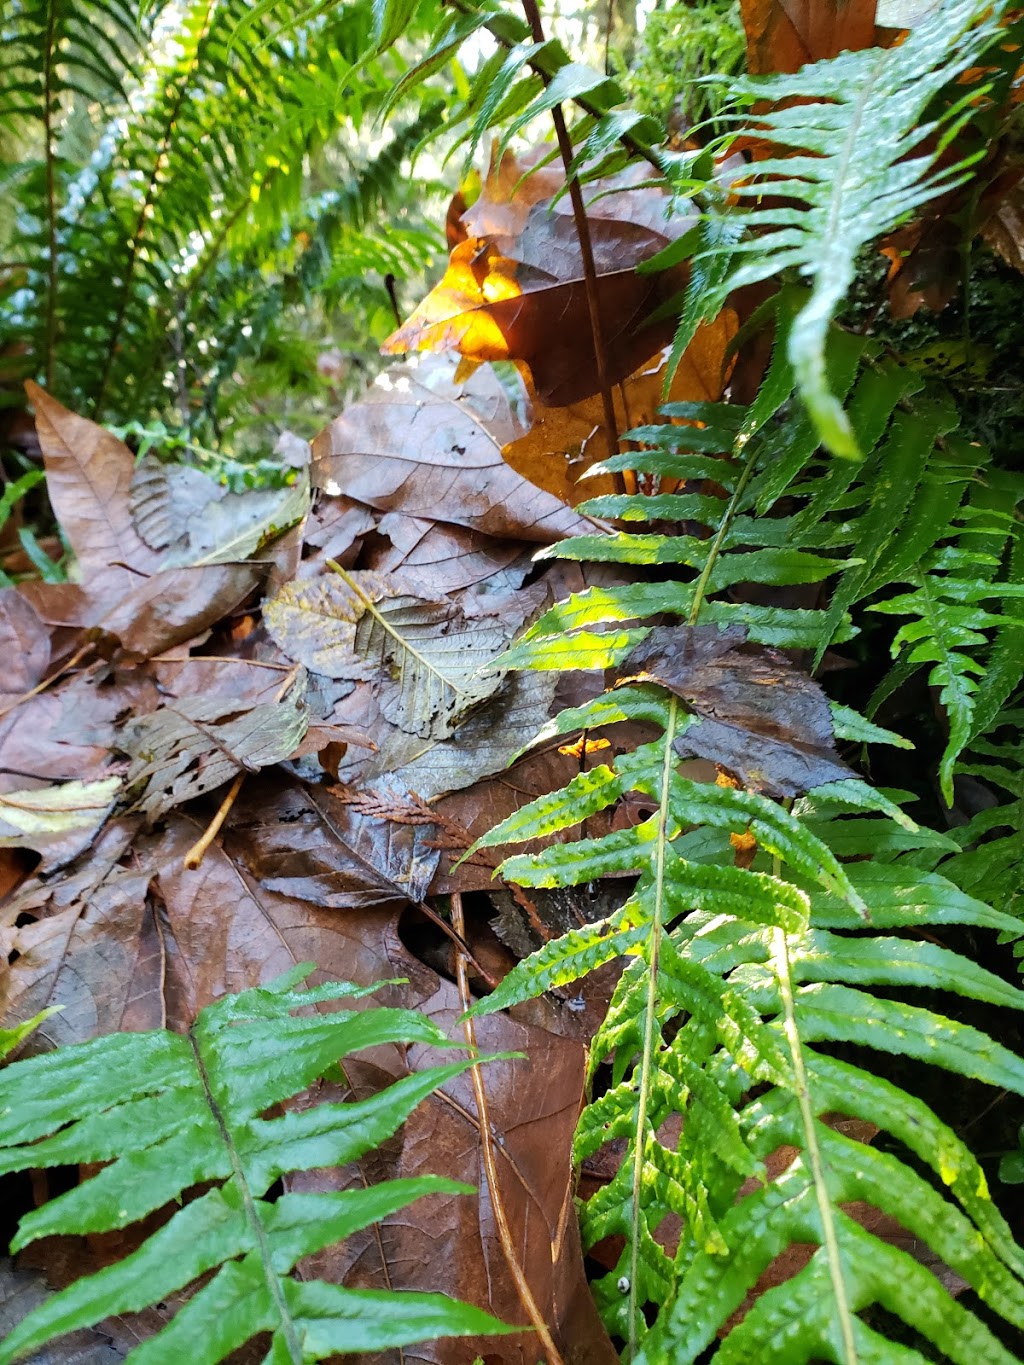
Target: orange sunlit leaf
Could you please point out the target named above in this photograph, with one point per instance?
(515, 289)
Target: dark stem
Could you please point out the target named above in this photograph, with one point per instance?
(51, 194)
(579, 213)
(170, 129)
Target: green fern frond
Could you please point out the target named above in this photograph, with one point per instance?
(735, 975)
(168, 1112)
(950, 617)
(855, 155)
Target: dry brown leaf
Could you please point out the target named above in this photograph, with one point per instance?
(515, 290)
(88, 478)
(783, 35)
(148, 615)
(423, 444)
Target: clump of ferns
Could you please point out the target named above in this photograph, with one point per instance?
(758, 936)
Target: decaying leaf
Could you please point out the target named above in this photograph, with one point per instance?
(195, 520)
(313, 846)
(58, 809)
(757, 715)
(65, 815)
(423, 657)
(483, 744)
(427, 445)
(514, 288)
(199, 743)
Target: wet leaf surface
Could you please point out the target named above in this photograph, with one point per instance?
(757, 715)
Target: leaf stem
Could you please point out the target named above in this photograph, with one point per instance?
(487, 1151)
(650, 1026)
(291, 1336)
(579, 213)
(732, 508)
(378, 616)
(830, 1239)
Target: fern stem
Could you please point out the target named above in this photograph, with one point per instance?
(487, 1151)
(650, 1024)
(51, 193)
(291, 1336)
(579, 213)
(152, 188)
(723, 530)
(830, 1240)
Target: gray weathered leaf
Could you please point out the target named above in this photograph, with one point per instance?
(422, 657)
(199, 743)
(198, 521)
(484, 743)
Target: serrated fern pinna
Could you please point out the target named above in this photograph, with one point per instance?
(170, 1112)
(777, 926)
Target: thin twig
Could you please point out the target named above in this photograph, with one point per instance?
(487, 1150)
(197, 852)
(62, 672)
(579, 213)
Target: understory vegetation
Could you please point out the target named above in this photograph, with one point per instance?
(535, 874)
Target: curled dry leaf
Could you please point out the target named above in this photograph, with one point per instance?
(427, 445)
(757, 715)
(515, 289)
(422, 657)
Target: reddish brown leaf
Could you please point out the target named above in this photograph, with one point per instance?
(514, 288)
(563, 442)
(425, 445)
(783, 35)
(148, 615)
(24, 645)
(88, 478)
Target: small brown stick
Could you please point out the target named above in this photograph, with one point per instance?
(487, 1150)
(197, 852)
(75, 659)
(579, 213)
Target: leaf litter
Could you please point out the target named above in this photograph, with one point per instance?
(311, 696)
